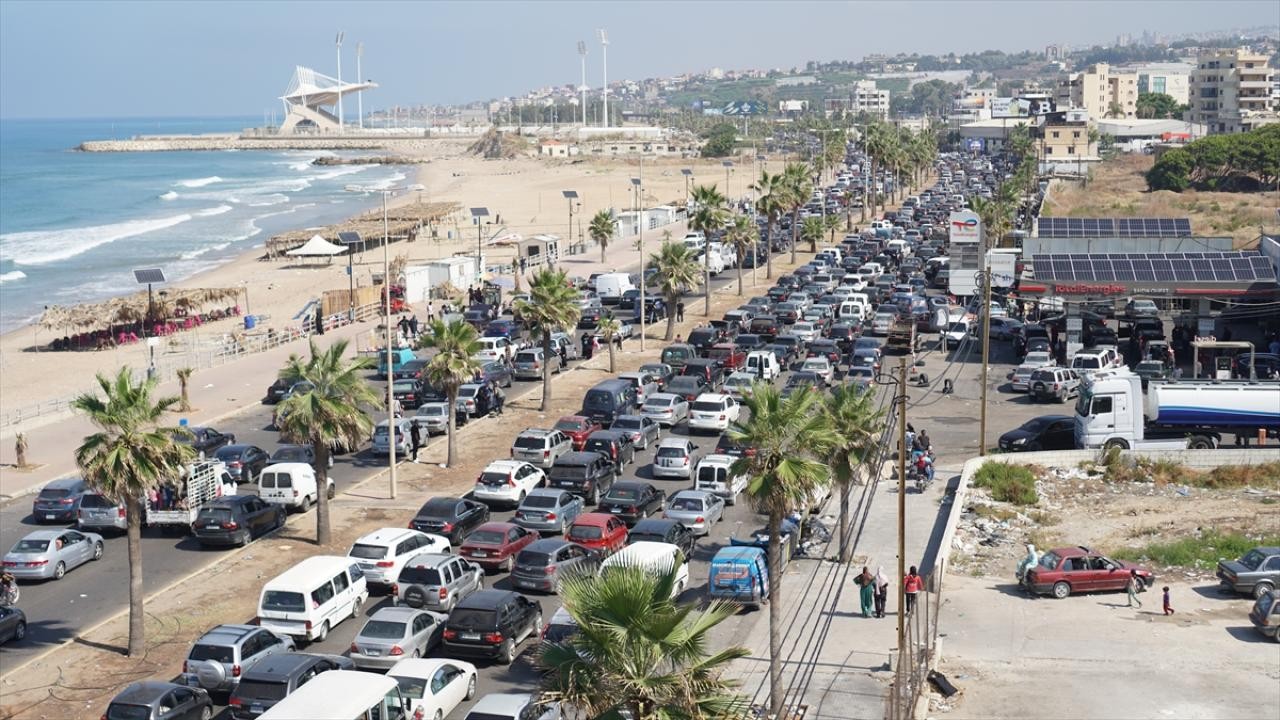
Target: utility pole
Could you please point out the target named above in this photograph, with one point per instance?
(604, 69)
(392, 429)
(985, 275)
(359, 95)
(902, 505)
(338, 42)
(640, 209)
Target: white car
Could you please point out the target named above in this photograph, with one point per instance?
(434, 687)
(1020, 378)
(507, 482)
(881, 323)
(495, 348)
(738, 385)
(667, 409)
(714, 412)
(806, 331)
(383, 553)
(821, 366)
(714, 474)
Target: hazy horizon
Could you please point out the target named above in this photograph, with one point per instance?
(203, 60)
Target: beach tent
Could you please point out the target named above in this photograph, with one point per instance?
(317, 247)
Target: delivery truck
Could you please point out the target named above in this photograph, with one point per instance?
(1113, 411)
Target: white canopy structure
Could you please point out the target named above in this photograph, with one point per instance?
(310, 101)
(317, 247)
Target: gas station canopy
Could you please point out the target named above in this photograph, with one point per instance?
(1170, 274)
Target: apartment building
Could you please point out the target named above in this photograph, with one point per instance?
(1231, 91)
(1102, 91)
(1065, 138)
(862, 97)
(1172, 79)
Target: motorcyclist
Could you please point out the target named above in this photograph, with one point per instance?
(8, 589)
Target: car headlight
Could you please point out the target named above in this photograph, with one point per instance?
(1019, 441)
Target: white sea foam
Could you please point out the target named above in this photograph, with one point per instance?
(40, 247)
(200, 182)
(171, 195)
(269, 200)
(209, 212)
(11, 276)
(343, 170)
(193, 254)
(386, 184)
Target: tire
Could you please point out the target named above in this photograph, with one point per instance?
(417, 654)
(306, 505)
(60, 571)
(1115, 443)
(594, 497)
(507, 564)
(507, 653)
(355, 610)
(1061, 590)
(324, 632)
(206, 713)
(1261, 588)
(97, 551)
(1199, 442)
(244, 539)
(471, 688)
(20, 631)
(438, 716)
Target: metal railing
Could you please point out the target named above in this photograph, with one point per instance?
(914, 659)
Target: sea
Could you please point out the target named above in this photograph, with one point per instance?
(74, 225)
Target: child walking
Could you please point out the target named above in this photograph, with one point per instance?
(1168, 609)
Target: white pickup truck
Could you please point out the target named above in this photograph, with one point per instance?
(201, 483)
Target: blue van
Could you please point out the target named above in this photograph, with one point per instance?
(740, 574)
(398, 357)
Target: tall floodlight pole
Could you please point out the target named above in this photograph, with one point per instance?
(359, 74)
(644, 310)
(604, 67)
(582, 53)
(339, 44)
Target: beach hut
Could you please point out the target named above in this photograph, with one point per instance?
(317, 247)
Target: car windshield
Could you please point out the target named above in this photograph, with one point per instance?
(494, 478)
(1035, 425)
(659, 403)
(585, 532)
(1050, 560)
(213, 516)
(283, 601)
(706, 406)
(527, 442)
(431, 410)
(120, 711)
(567, 472)
(411, 687)
(367, 552)
(486, 537)
(686, 503)
(470, 618)
(626, 424)
(31, 546)
(262, 689)
(96, 501)
(383, 630)
(291, 454)
(671, 452)
(412, 575)
(217, 653)
(622, 494)
(533, 559)
(1252, 559)
(54, 494)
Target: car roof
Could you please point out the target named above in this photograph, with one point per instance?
(229, 500)
(510, 465)
(227, 634)
(386, 536)
(580, 457)
(593, 519)
(628, 484)
(575, 418)
(44, 534)
(718, 459)
(281, 665)
(429, 559)
(607, 435)
(144, 692)
(546, 545)
(630, 418)
(423, 668)
(700, 494)
(504, 704)
(64, 483)
(713, 397)
(485, 599)
(678, 442)
(394, 613)
(655, 526)
(663, 396)
(496, 525)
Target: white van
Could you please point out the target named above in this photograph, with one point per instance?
(655, 557)
(714, 474)
(898, 246)
(714, 265)
(611, 286)
(763, 361)
(343, 695)
(292, 485)
(308, 599)
(852, 310)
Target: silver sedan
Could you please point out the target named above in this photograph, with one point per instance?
(644, 430)
(48, 554)
(695, 509)
(667, 409)
(396, 633)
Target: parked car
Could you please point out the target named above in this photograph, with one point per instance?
(661, 372)
(688, 387)
(1265, 614)
(49, 554)
(290, 453)
(408, 393)
(644, 384)
(221, 656)
(382, 553)
(1054, 383)
(666, 409)
(497, 372)
(1062, 571)
(491, 624)
(453, 518)
(382, 437)
(577, 427)
(434, 687)
(601, 533)
(59, 501)
(664, 530)
(1047, 432)
(205, 440)
(586, 474)
(507, 482)
(475, 400)
(548, 510)
(1257, 572)
(159, 700)
(436, 581)
(695, 509)
(244, 462)
(494, 545)
(713, 412)
(394, 633)
(99, 513)
(529, 363)
(644, 431)
(434, 418)
(632, 500)
(546, 563)
(13, 624)
(237, 520)
(615, 445)
(676, 457)
(276, 676)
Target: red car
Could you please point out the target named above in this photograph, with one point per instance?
(578, 427)
(494, 545)
(728, 355)
(1062, 571)
(602, 534)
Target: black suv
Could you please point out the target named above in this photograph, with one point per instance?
(206, 440)
(586, 474)
(453, 518)
(275, 677)
(236, 519)
(613, 444)
(704, 337)
(490, 624)
(665, 531)
(710, 372)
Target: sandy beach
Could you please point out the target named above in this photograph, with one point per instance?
(523, 194)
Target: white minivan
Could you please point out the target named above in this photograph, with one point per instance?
(292, 485)
(763, 364)
(308, 599)
(611, 286)
(343, 695)
(653, 557)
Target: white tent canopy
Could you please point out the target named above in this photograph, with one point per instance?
(317, 247)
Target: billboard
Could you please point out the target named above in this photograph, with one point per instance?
(1009, 107)
(743, 107)
(1003, 268)
(965, 237)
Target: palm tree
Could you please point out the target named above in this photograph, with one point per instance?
(552, 306)
(638, 653)
(742, 235)
(878, 143)
(812, 230)
(770, 194)
(609, 329)
(853, 419)
(675, 269)
(710, 218)
(994, 214)
(798, 187)
(184, 379)
(329, 415)
(129, 455)
(788, 435)
(601, 229)
(453, 366)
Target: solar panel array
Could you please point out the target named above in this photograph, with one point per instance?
(1196, 267)
(1060, 227)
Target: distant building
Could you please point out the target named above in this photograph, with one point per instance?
(794, 80)
(1172, 79)
(1099, 90)
(1054, 53)
(870, 99)
(1231, 91)
(1065, 138)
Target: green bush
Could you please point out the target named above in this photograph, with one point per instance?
(1201, 552)
(1008, 483)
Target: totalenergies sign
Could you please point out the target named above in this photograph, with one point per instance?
(966, 227)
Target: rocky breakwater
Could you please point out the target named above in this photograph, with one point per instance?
(369, 160)
(235, 142)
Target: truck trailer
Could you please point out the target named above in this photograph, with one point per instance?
(1113, 411)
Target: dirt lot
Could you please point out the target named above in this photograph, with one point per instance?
(1117, 189)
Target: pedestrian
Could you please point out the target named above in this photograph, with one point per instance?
(881, 590)
(586, 346)
(1168, 609)
(415, 440)
(679, 311)
(1133, 587)
(678, 338)
(866, 590)
(912, 584)
(564, 354)
(404, 326)
(499, 397)
(413, 326)
(431, 311)
(1274, 347)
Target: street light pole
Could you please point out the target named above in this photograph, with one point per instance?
(392, 428)
(339, 43)
(902, 503)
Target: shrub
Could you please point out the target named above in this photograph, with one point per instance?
(1202, 552)
(1008, 483)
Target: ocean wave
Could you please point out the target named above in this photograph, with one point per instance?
(269, 200)
(386, 184)
(171, 195)
(11, 276)
(200, 182)
(41, 247)
(342, 170)
(193, 254)
(209, 212)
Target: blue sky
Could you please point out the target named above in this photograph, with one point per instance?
(116, 59)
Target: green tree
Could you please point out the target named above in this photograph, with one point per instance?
(741, 234)
(638, 653)
(788, 435)
(720, 140)
(995, 216)
(184, 394)
(453, 365)
(552, 307)
(609, 329)
(878, 144)
(676, 270)
(1158, 105)
(1115, 110)
(601, 230)
(710, 217)
(1171, 172)
(329, 415)
(798, 187)
(812, 229)
(128, 455)
(770, 201)
(854, 421)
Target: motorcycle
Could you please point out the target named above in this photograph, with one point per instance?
(921, 469)
(9, 592)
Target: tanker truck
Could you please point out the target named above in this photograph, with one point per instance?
(1112, 411)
